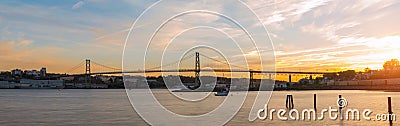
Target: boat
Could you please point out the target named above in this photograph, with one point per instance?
(223, 92)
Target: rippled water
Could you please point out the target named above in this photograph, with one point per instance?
(111, 106)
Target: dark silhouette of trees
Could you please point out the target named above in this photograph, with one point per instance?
(344, 75)
(391, 65)
(391, 68)
(347, 75)
(331, 76)
(367, 70)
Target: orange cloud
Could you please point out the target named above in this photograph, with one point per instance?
(16, 54)
(116, 38)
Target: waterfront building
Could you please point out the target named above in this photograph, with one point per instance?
(98, 86)
(4, 84)
(42, 83)
(281, 84)
(16, 72)
(34, 73)
(43, 72)
(135, 82)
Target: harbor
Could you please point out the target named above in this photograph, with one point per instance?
(111, 107)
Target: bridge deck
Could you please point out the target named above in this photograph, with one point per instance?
(208, 70)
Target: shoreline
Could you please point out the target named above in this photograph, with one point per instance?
(385, 88)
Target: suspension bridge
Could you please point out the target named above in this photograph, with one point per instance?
(88, 66)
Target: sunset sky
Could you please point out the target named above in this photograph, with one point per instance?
(309, 35)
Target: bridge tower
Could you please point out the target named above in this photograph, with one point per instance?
(87, 79)
(87, 66)
(197, 70)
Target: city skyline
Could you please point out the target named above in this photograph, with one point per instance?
(314, 35)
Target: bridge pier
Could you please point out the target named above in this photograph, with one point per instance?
(251, 80)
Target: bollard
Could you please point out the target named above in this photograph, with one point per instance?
(390, 110)
(315, 102)
(340, 109)
(291, 99)
(289, 102)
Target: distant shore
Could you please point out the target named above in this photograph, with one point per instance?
(389, 88)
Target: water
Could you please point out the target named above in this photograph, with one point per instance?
(111, 106)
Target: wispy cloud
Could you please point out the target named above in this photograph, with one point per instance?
(387, 42)
(116, 38)
(278, 11)
(331, 34)
(307, 6)
(19, 54)
(79, 4)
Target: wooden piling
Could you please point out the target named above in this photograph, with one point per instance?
(289, 102)
(291, 99)
(315, 101)
(390, 110)
(340, 97)
(340, 109)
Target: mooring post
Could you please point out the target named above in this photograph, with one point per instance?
(289, 102)
(315, 101)
(390, 110)
(292, 103)
(340, 109)
(340, 97)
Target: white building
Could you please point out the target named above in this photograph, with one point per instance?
(281, 84)
(4, 84)
(135, 82)
(43, 72)
(32, 73)
(16, 72)
(106, 78)
(43, 83)
(99, 86)
(35, 73)
(67, 78)
(240, 83)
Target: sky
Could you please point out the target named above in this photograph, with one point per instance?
(302, 35)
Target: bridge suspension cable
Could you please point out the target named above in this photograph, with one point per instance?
(172, 63)
(184, 61)
(223, 62)
(104, 66)
(81, 64)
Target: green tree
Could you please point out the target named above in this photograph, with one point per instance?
(391, 64)
(330, 76)
(347, 75)
(367, 70)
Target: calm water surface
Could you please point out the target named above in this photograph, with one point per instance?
(112, 107)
